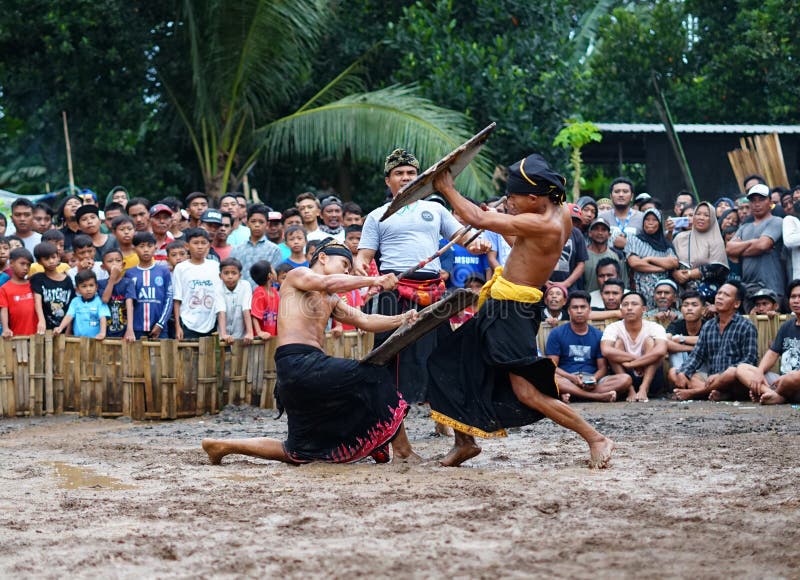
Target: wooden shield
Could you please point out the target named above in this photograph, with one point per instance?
(429, 318)
(455, 161)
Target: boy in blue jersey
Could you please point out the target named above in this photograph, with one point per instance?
(87, 314)
(152, 290)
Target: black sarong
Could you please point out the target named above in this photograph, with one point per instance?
(339, 410)
(470, 389)
(410, 367)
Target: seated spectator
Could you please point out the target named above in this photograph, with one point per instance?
(666, 309)
(682, 334)
(765, 302)
(597, 250)
(703, 263)
(555, 298)
(581, 371)
(650, 255)
(611, 295)
(572, 264)
(606, 269)
(725, 342)
(770, 388)
(635, 346)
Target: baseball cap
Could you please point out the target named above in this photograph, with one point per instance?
(758, 189)
(274, 216)
(599, 221)
(87, 209)
(575, 211)
(764, 293)
(330, 200)
(211, 216)
(643, 197)
(160, 208)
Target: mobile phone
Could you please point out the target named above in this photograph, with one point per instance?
(589, 380)
(680, 222)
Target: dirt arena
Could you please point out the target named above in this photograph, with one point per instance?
(702, 490)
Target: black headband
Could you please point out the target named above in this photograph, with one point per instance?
(532, 176)
(330, 247)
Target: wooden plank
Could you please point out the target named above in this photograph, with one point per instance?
(37, 373)
(429, 318)
(49, 399)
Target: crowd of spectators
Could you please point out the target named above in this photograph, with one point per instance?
(662, 284)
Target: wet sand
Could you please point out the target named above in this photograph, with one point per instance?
(703, 490)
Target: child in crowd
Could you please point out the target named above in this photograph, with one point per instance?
(152, 291)
(14, 242)
(84, 254)
(56, 238)
(87, 314)
(280, 273)
(123, 230)
(17, 305)
(176, 253)
(266, 301)
(3, 224)
(352, 236)
(88, 217)
(52, 288)
(238, 300)
(295, 238)
(198, 302)
(5, 250)
(311, 247)
(117, 292)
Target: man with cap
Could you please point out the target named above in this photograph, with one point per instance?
(196, 204)
(597, 249)
(765, 303)
(88, 217)
(332, 217)
(666, 297)
(275, 232)
(488, 377)
(572, 263)
(160, 223)
(339, 410)
(625, 221)
(211, 221)
(757, 245)
(403, 240)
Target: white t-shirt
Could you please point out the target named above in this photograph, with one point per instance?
(199, 289)
(236, 302)
(617, 330)
(408, 236)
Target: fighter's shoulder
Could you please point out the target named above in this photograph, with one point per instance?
(377, 213)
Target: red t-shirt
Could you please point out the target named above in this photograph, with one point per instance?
(264, 308)
(354, 299)
(18, 298)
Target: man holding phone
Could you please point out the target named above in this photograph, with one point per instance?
(581, 370)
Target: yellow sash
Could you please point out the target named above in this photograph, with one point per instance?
(501, 289)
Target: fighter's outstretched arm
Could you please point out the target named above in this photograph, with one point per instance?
(308, 281)
(505, 224)
(371, 322)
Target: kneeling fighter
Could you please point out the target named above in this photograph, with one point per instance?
(339, 410)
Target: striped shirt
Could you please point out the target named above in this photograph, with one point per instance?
(153, 296)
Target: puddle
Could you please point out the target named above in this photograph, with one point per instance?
(75, 477)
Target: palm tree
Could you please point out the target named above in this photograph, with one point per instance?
(250, 61)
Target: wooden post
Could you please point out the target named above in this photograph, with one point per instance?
(49, 401)
(69, 154)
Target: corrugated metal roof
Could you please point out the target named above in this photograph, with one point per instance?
(733, 129)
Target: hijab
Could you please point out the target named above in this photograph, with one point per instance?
(697, 248)
(725, 214)
(658, 241)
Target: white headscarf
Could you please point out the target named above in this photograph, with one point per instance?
(697, 248)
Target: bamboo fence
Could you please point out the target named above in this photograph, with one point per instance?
(164, 379)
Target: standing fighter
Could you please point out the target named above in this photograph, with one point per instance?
(488, 376)
(339, 410)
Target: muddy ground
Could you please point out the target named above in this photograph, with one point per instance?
(701, 490)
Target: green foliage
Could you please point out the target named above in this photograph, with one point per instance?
(573, 137)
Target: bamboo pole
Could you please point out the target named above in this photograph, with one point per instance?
(69, 153)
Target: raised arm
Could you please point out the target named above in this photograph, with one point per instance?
(306, 280)
(371, 322)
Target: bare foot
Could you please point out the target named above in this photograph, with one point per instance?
(754, 396)
(565, 397)
(444, 430)
(771, 398)
(600, 453)
(459, 454)
(642, 398)
(410, 458)
(715, 395)
(682, 394)
(631, 397)
(609, 397)
(214, 449)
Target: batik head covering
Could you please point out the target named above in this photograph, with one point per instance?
(398, 158)
(330, 247)
(532, 176)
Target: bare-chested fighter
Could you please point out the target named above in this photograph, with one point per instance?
(339, 410)
(489, 376)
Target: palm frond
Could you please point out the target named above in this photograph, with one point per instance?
(369, 125)
(587, 28)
